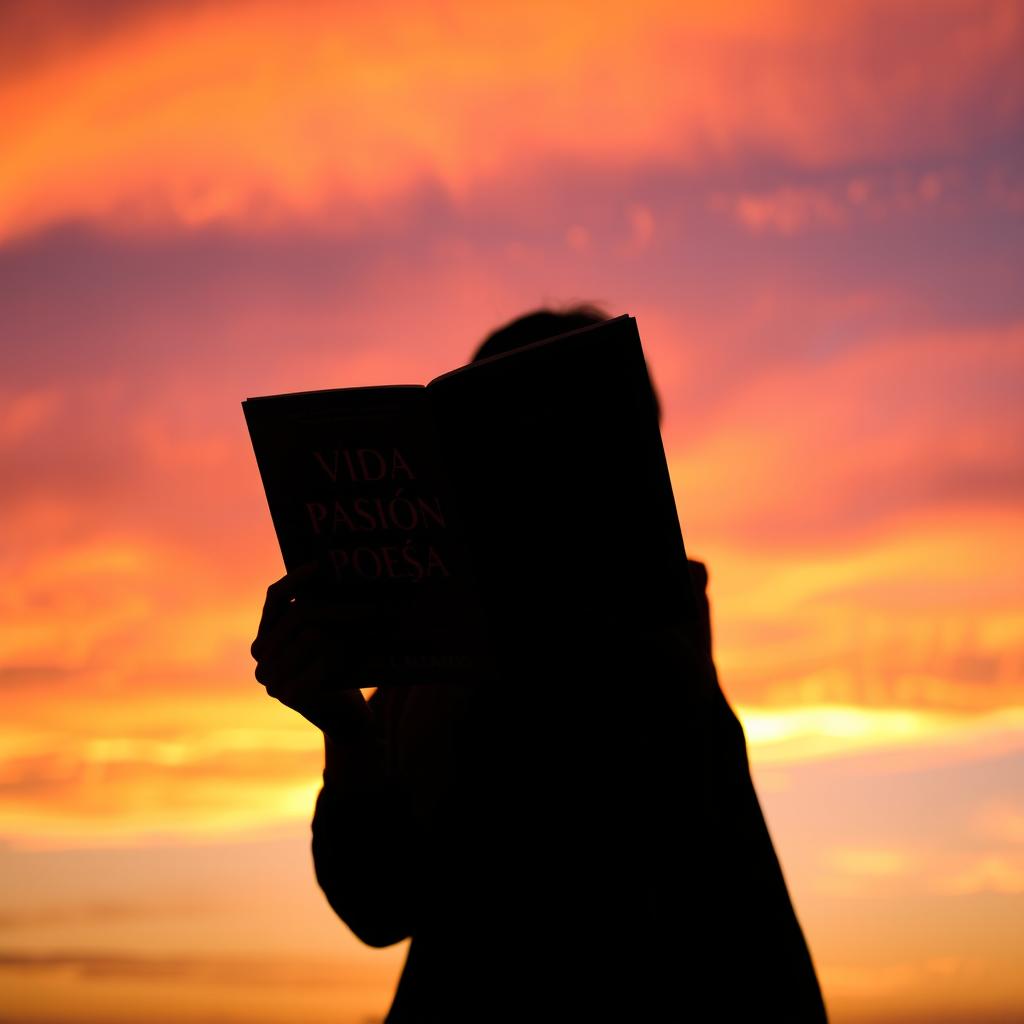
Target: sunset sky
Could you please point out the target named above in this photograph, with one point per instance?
(816, 214)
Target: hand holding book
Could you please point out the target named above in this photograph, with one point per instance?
(309, 649)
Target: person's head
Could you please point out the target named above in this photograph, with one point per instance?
(539, 325)
(536, 326)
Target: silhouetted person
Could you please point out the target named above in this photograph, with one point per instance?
(580, 841)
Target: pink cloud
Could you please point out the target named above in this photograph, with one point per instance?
(23, 414)
(785, 211)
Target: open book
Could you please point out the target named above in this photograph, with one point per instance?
(507, 501)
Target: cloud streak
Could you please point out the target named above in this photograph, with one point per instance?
(249, 971)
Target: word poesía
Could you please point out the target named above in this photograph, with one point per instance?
(409, 561)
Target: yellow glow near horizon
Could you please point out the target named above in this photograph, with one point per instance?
(108, 807)
(809, 732)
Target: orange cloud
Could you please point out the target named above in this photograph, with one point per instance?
(861, 436)
(873, 862)
(1001, 820)
(257, 114)
(173, 985)
(815, 732)
(988, 873)
(229, 970)
(828, 498)
(118, 790)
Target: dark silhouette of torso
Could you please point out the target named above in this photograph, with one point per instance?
(577, 841)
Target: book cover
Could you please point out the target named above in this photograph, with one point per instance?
(515, 500)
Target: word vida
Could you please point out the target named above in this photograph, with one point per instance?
(361, 465)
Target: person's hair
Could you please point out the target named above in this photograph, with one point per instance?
(542, 324)
(536, 326)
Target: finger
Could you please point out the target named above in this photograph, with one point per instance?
(702, 626)
(315, 695)
(280, 596)
(319, 688)
(275, 639)
(292, 659)
(338, 625)
(300, 688)
(698, 574)
(302, 637)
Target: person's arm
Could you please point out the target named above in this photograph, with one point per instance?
(362, 822)
(362, 829)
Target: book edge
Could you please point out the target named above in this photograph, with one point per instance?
(527, 348)
(333, 391)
